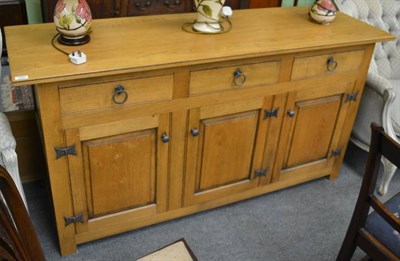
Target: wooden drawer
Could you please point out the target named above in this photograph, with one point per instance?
(234, 77)
(311, 66)
(102, 95)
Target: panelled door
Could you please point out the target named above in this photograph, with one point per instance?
(225, 148)
(312, 127)
(119, 171)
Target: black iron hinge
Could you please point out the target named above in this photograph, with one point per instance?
(351, 97)
(261, 172)
(336, 153)
(71, 150)
(271, 113)
(76, 219)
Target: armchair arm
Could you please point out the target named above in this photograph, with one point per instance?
(375, 106)
(7, 139)
(377, 83)
(1, 50)
(383, 87)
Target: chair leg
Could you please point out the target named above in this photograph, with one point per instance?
(349, 243)
(389, 170)
(347, 250)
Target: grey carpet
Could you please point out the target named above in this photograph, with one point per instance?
(306, 222)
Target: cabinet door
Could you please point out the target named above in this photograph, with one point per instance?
(120, 170)
(312, 126)
(225, 149)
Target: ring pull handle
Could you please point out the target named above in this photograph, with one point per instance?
(291, 113)
(172, 4)
(331, 64)
(195, 132)
(165, 138)
(119, 89)
(239, 78)
(143, 7)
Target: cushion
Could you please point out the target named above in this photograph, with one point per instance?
(385, 233)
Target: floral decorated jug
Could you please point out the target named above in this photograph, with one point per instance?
(208, 15)
(73, 19)
(323, 11)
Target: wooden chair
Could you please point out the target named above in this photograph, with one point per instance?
(377, 234)
(18, 239)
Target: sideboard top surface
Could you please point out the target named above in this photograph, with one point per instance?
(130, 44)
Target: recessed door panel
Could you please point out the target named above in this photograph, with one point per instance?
(226, 150)
(313, 132)
(121, 171)
(119, 176)
(310, 139)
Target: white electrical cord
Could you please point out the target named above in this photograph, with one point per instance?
(76, 57)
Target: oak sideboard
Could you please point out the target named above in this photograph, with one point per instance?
(160, 123)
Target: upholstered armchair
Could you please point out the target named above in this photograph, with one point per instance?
(380, 101)
(8, 156)
(1, 50)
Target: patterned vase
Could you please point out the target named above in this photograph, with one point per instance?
(208, 15)
(323, 11)
(73, 19)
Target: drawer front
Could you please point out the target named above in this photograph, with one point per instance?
(312, 66)
(152, 7)
(110, 94)
(234, 77)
